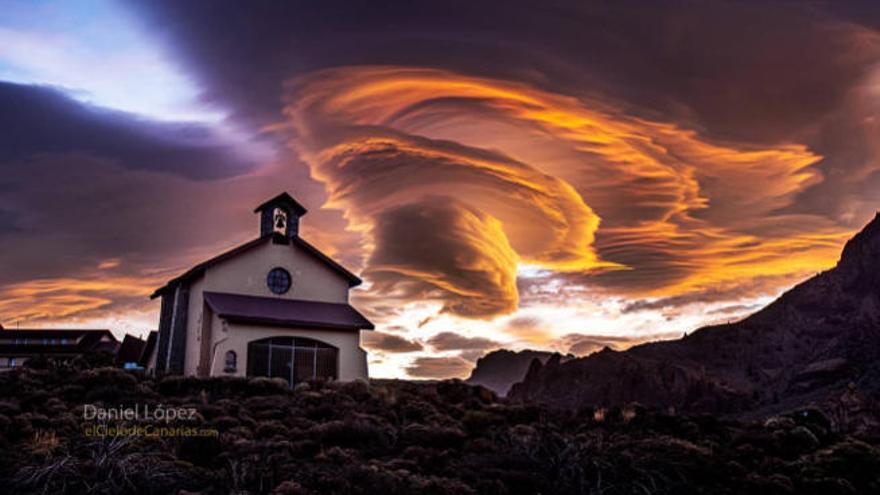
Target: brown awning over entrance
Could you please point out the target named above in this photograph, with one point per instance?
(285, 312)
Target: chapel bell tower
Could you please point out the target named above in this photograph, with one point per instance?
(280, 215)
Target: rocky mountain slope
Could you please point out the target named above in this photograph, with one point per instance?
(817, 345)
(500, 369)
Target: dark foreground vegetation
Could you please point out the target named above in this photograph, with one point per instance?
(399, 437)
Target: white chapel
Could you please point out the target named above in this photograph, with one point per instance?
(275, 306)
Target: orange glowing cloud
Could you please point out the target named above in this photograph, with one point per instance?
(42, 300)
(440, 249)
(578, 185)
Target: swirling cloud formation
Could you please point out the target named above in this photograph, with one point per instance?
(457, 180)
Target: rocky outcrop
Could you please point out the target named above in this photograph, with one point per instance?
(498, 370)
(819, 340)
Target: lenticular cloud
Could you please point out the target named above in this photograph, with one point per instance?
(568, 184)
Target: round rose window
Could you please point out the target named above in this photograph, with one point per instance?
(278, 280)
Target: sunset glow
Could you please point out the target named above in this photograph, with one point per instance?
(495, 185)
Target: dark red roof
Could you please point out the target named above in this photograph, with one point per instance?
(286, 312)
(198, 270)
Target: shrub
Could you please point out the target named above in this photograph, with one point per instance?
(267, 386)
(365, 432)
(107, 377)
(476, 422)
(268, 429)
(398, 437)
(432, 436)
(290, 488)
(201, 451)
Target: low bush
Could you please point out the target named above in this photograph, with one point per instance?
(398, 437)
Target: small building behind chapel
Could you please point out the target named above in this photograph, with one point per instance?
(275, 306)
(21, 345)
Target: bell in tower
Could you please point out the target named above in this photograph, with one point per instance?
(280, 221)
(280, 215)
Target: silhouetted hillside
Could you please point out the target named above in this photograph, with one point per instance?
(818, 344)
(397, 437)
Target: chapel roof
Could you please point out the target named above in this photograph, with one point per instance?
(199, 269)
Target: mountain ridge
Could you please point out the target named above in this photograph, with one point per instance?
(499, 370)
(817, 343)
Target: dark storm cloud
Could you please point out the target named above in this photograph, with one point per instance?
(755, 70)
(451, 341)
(81, 184)
(715, 140)
(97, 207)
(753, 77)
(390, 343)
(41, 120)
(8, 222)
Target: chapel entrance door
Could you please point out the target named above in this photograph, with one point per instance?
(294, 359)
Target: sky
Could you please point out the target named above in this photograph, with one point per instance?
(558, 175)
